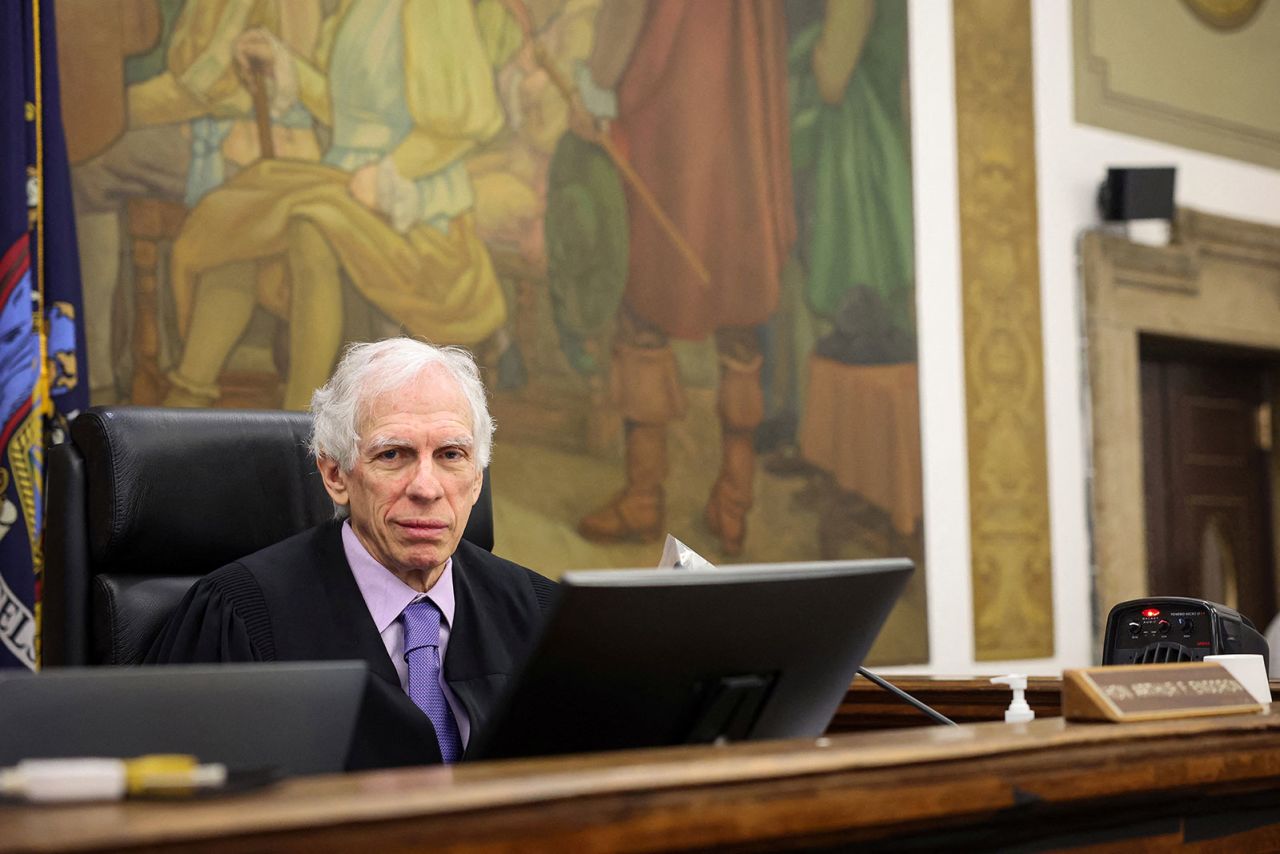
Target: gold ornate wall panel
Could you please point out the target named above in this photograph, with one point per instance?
(1198, 74)
(1008, 476)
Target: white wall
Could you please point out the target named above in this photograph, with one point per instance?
(1071, 161)
(939, 327)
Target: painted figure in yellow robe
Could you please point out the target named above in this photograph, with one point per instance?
(170, 136)
(408, 90)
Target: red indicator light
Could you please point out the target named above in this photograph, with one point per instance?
(1150, 612)
(1203, 643)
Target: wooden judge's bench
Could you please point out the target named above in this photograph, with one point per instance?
(1203, 784)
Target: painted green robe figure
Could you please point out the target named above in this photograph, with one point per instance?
(850, 150)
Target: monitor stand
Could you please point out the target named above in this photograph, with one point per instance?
(728, 707)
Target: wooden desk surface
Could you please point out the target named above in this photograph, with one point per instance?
(973, 786)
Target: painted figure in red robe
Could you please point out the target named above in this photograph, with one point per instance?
(698, 97)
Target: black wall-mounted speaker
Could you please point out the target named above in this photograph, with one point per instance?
(1137, 193)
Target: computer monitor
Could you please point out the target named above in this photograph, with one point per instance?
(646, 658)
(294, 718)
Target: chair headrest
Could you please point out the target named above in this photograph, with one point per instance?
(182, 492)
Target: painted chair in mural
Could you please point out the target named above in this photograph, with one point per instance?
(152, 223)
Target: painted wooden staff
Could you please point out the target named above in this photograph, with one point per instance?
(261, 109)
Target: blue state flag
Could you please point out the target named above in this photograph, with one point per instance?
(41, 327)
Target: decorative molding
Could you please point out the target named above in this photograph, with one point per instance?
(1228, 238)
(1102, 102)
(1157, 268)
(1224, 15)
(1004, 382)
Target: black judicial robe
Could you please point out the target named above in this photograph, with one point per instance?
(298, 601)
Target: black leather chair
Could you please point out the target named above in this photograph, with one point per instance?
(143, 501)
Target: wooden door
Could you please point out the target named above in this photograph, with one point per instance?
(1207, 480)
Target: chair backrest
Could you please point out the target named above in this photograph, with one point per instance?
(143, 501)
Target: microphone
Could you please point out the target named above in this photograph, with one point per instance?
(937, 716)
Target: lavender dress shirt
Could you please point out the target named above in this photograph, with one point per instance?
(386, 596)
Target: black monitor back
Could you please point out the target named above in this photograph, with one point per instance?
(295, 718)
(645, 658)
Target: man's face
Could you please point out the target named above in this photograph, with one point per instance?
(415, 478)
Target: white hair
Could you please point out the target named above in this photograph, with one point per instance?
(369, 370)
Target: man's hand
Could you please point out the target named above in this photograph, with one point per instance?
(253, 52)
(363, 186)
(582, 123)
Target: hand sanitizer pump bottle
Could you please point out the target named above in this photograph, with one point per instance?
(1018, 710)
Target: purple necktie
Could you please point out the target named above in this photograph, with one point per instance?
(422, 653)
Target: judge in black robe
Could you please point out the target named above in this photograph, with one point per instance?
(401, 434)
(298, 601)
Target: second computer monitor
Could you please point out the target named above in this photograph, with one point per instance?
(644, 658)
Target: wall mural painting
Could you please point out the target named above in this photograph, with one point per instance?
(677, 235)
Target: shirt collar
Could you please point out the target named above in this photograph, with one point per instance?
(385, 595)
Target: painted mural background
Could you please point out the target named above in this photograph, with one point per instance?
(723, 348)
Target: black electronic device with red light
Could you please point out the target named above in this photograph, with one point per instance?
(1164, 629)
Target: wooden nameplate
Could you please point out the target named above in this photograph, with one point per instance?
(1148, 692)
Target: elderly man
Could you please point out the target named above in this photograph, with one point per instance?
(401, 436)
